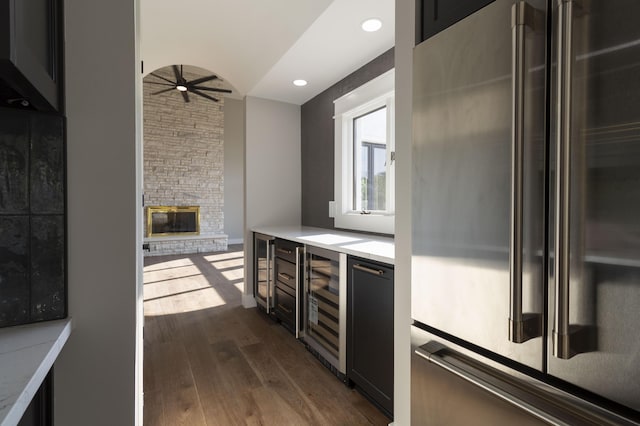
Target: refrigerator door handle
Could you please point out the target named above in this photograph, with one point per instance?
(568, 340)
(522, 327)
(561, 341)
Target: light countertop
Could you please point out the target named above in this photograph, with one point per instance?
(27, 353)
(381, 249)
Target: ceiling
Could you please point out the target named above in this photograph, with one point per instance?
(259, 47)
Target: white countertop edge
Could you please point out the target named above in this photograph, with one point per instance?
(44, 341)
(384, 254)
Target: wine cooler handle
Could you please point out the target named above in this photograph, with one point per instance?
(561, 344)
(299, 290)
(270, 283)
(522, 327)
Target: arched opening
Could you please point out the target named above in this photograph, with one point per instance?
(193, 167)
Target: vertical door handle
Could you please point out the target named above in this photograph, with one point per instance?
(269, 280)
(522, 327)
(299, 250)
(561, 344)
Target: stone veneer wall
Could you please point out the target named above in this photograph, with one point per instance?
(184, 162)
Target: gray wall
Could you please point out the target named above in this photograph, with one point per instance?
(272, 172)
(96, 375)
(234, 169)
(318, 141)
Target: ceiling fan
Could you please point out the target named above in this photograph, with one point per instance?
(185, 87)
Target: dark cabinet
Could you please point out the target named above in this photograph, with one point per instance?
(437, 15)
(40, 410)
(31, 54)
(287, 282)
(370, 330)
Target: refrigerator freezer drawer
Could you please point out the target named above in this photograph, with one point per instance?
(446, 377)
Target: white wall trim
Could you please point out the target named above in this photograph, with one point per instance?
(374, 93)
(248, 301)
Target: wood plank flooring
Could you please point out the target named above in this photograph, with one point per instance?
(208, 361)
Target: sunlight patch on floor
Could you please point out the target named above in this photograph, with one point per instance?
(224, 256)
(228, 263)
(176, 263)
(233, 274)
(189, 284)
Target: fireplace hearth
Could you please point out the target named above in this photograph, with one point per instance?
(163, 221)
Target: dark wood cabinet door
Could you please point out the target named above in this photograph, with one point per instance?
(370, 330)
(437, 15)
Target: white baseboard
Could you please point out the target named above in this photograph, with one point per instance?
(248, 301)
(236, 241)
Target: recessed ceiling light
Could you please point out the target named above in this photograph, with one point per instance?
(300, 83)
(371, 25)
(181, 88)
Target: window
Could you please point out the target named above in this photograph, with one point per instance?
(364, 180)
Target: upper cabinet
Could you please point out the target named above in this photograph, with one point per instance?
(438, 15)
(31, 54)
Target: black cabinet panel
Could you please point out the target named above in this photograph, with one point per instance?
(31, 54)
(370, 330)
(47, 165)
(47, 268)
(40, 410)
(14, 267)
(32, 217)
(438, 15)
(14, 160)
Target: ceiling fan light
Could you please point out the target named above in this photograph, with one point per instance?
(181, 88)
(371, 25)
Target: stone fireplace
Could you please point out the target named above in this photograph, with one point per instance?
(183, 171)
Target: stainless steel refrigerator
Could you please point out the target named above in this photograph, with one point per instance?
(526, 208)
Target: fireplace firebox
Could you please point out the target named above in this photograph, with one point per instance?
(163, 221)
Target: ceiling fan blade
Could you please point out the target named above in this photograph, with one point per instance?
(203, 79)
(209, 89)
(185, 96)
(163, 78)
(162, 91)
(176, 71)
(195, 92)
(161, 84)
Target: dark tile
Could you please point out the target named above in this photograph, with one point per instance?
(47, 165)
(47, 268)
(14, 280)
(14, 160)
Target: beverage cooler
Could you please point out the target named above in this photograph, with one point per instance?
(325, 307)
(263, 285)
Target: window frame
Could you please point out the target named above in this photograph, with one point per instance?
(373, 95)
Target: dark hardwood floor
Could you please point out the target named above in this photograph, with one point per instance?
(209, 361)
